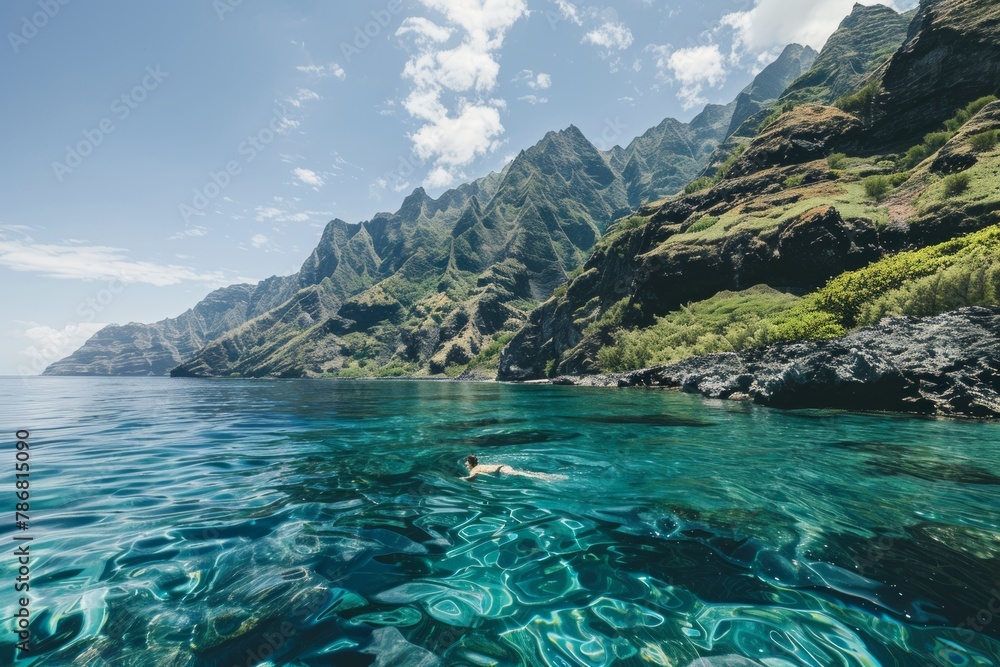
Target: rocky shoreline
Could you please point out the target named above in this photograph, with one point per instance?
(947, 366)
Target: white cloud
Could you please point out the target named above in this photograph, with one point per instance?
(190, 232)
(324, 71)
(86, 262)
(275, 214)
(49, 344)
(540, 81)
(611, 35)
(450, 87)
(569, 11)
(533, 99)
(286, 125)
(455, 141)
(693, 69)
(309, 177)
(302, 95)
(258, 240)
(424, 30)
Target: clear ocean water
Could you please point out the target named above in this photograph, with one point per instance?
(220, 523)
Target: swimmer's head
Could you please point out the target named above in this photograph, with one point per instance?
(471, 461)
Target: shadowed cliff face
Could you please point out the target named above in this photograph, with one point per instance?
(952, 56)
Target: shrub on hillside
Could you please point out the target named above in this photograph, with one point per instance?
(836, 160)
(963, 115)
(861, 103)
(698, 185)
(877, 187)
(936, 140)
(956, 184)
(914, 156)
(972, 283)
(899, 178)
(984, 141)
(706, 222)
(729, 321)
(795, 181)
(849, 293)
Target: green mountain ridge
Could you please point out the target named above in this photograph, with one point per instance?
(430, 287)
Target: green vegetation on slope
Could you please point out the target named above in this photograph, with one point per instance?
(727, 322)
(934, 141)
(816, 196)
(959, 273)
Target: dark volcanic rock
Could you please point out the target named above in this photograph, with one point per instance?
(948, 365)
(951, 57)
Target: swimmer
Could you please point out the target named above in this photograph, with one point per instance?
(475, 469)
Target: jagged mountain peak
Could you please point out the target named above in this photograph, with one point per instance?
(860, 12)
(414, 201)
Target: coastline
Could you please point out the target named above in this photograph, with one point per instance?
(942, 366)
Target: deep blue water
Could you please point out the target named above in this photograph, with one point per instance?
(183, 522)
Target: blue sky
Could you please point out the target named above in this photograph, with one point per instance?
(155, 151)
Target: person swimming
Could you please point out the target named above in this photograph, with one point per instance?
(476, 468)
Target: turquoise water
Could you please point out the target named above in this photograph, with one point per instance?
(183, 522)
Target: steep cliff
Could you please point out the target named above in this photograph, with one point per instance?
(769, 85)
(951, 56)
